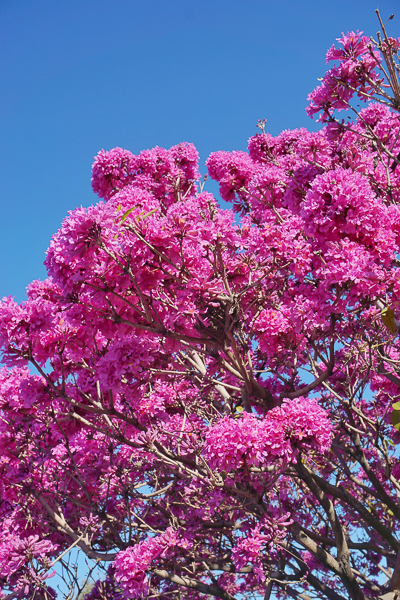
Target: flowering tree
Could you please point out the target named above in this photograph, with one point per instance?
(208, 407)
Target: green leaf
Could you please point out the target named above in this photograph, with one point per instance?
(149, 213)
(127, 213)
(395, 419)
(396, 406)
(119, 207)
(238, 412)
(387, 316)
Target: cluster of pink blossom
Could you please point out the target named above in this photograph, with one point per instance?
(356, 73)
(131, 564)
(16, 552)
(265, 537)
(298, 425)
(158, 170)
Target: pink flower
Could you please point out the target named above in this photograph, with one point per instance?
(297, 425)
(354, 44)
(111, 171)
(131, 564)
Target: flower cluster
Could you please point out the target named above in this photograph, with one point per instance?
(18, 552)
(355, 73)
(297, 425)
(131, 564)
(160, 171)
(265, 537)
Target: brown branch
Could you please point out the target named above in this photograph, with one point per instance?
(316, 583)
(340, 493)
(322, 539)
(62, 526)
(321, 587)
(319, 380)
(204, 588)
(394, 583)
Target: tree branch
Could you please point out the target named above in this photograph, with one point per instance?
(204, 588)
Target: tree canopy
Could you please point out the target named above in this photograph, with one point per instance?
(206, 402)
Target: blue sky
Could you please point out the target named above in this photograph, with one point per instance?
(82, 75)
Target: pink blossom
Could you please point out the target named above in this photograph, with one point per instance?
(131, 564)
(248, 440)
(111, 171)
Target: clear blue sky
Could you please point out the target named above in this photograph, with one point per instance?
(82, 75)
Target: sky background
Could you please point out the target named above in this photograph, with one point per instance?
(82, 75)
